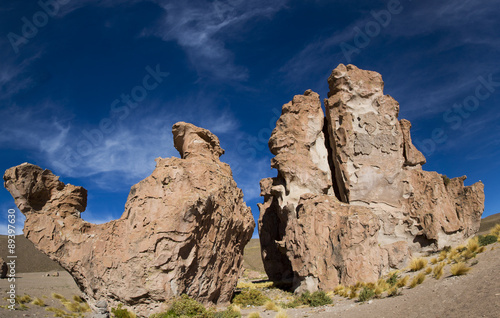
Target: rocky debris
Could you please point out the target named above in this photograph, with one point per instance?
(183, 230)
(100, 310)
(351, 200)
(3, 268)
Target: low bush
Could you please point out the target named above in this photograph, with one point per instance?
(393, 279)
(121, 312)
(252, 297)
(316, 299)
(487, 239)
(446, 180)
(366, 294)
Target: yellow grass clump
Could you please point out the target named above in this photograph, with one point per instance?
(38, 302)
(417, 280)
(281, 314)
(57, 312)
(403, 281)
(417, 264)
(428, 270)
(394, 291)
(270, 305)
(438, 270)
(459, 269)
(496, 231)
(254, 315)
(58, 296)
(23, 299)
(434, 260)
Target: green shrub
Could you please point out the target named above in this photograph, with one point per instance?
(446, 180)
(228, 313)
(120, 312)
(486, 240)
(316, 299)
(366, 294)
(252, 297)
(393, 279)
(186, 306)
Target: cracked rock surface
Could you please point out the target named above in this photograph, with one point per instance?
(183, 230)
(351, 201)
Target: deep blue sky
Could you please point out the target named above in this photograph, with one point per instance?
(231, 66)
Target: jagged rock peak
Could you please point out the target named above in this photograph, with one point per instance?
(183, 230)
(383, 207)
(190, 141)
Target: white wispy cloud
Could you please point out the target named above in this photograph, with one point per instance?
(202, 28)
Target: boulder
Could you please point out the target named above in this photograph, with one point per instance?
(183, 230)
(351, 201)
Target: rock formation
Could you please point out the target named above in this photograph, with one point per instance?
(183, 230)
(351, 200)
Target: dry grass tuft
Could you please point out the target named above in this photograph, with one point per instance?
(254, 315)
(235, 308)
(417, 280)
(473, 245)
(459, 269)
(428, 270)
(57, 312)
(281, 314)
(58, 296)
(78, 299)
(38, 302)
(23, 299)
(417, 264)
(496, 231)
(394, 291)
(434, 260)
(403, 281)
(270, 305)
(438, 270)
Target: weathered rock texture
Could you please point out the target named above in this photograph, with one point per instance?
(351, 200)
(183, 230)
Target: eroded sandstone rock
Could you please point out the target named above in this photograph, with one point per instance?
(183, 230)
(380, 206)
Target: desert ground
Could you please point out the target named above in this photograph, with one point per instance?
(476, 294)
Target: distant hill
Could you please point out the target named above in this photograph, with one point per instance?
(29, 259)
(251, 256)
(488, 223)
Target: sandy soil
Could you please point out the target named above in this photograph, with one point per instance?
(476, 294)
(41, 286)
